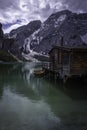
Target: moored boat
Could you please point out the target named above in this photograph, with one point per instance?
(39, 73)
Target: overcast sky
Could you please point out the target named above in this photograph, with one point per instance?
(14, 13)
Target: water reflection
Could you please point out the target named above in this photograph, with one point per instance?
(21, 113)
(22, 106)
(27, 102)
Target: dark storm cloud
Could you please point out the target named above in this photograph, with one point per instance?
(26, 10)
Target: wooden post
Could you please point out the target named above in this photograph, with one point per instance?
(65, 78)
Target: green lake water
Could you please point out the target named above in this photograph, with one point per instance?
(31, 103)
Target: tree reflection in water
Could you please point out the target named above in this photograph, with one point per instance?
(27, 102)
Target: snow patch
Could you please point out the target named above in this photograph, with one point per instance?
(34, 38)
(59, 21)
(34, 35)
(26, 45)
(62, 18)
(84, 38)
(30, 56)
(42, 25)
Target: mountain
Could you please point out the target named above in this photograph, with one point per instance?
(71, 26)
(5, 47)
(20, 34)
(40, 37)
(1, 35)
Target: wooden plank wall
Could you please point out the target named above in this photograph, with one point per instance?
(78, 62)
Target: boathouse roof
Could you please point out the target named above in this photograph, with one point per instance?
(73, 48)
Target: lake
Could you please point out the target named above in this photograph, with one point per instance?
(31, 103)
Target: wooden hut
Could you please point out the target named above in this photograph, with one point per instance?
(68, 61)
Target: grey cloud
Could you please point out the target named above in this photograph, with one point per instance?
(12, 10)
(45, 12)
(73, 5)
(4, 4)
(76, 5)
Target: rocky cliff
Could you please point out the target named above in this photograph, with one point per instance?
(6, 46)
(71, 26)
(1, 36)
(20, 34)
(40, 37)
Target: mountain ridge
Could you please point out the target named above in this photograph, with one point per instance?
(42, 36)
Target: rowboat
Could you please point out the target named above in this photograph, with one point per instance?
(39, 73)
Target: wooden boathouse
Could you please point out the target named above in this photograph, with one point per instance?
(68, 61)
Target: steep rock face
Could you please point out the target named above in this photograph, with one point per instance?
(5, 43)
(21, 33)
(40, 37)
(1, 36)
(71, 26)
(6, 48)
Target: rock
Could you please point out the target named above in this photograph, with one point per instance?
(70, 26)
(6, 47)
(21, 33)
(1, 36)
(41, 37)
